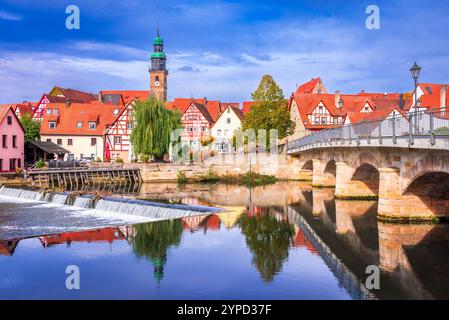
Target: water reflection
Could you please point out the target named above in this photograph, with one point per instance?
(273, 222)
(152, 240)
(269, 236)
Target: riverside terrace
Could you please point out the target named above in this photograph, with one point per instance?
(404, 162)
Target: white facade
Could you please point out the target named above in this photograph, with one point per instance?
(79, 146)
(223, 130)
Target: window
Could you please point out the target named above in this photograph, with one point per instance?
(79, 124)
(9, 120)
(115, 112)
(14, 141)
(130, 125)
(335, 120)
(117, 140)
(317, 120)
(92, 156)
(52, 125)
(228, 120)
(56, 111)
(4, 145)
(203, 128)
(48, 140)
(71, 157)
(59, 141)
(19, 163)
(320, 110)
(48, 111)
(93, 141)
(12, 164)
(324, 120)
(81, 155)
(70, 142)
(218, 132)
(130, 113)
(1, 164)
(92, 125)
(229, 110)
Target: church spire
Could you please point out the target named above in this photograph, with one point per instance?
(158, 70)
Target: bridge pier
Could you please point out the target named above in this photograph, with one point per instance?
(323, 175)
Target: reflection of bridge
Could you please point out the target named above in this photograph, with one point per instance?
(404, 163)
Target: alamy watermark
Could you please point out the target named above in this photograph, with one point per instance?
(372, 22)
(73, 281)
(372, 282)
(73, 20)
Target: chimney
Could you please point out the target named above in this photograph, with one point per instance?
(205, 100)
(68, 103)
(337, 99)
(401, 101)
(443, 92)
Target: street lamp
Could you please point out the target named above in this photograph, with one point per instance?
(415, 70)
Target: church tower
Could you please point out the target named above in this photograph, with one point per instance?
(158, 70)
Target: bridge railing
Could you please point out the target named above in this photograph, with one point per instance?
(425, 125)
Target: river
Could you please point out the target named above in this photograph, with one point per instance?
(282, 241)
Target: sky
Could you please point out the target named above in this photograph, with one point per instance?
(220, 49)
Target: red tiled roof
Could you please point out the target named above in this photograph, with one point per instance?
(102, 114)
(247, 105)
(102, 235)
(211, 109)
(308, 86)
(432, 95)
(76, 95)
(129, 95)
(238, 112)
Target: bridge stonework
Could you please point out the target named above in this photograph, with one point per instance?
(411, 184)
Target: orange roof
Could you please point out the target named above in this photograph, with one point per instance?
(102, 235)
(211, 109)
(308, 87)
(67, 118)
(432, 95)
(128, 95)
(247, 105)
(76, 95)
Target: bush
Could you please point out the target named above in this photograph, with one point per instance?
(98, 160)
(209, 177)
(205, 141)
(119, 160)
(182, 178)
(256, 179)
(40, 164)
(134, 161)
(144, 158)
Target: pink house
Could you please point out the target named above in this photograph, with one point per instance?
(12, 140)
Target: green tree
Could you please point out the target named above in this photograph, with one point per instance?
(270, 110)
(269, 240)
(152, 240)
(154, 125)
(31, 126)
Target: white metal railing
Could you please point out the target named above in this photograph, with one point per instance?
(429, 125)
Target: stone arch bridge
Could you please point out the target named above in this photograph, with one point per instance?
(408, 173)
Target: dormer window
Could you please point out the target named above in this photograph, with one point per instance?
(92, 125)
(49, 111)
(52, 125)
(79, 124)
(115, 112)
(56, 111)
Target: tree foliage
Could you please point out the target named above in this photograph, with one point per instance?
(32, 127)
(153, 128)
(269, 241)
(270, 110)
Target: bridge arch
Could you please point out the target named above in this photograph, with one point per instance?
(366, 177)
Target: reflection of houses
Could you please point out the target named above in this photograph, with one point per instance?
(101, 235)
(210, 222)
(7, 247)
(300, 241)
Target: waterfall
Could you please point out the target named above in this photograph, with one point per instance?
(142, 208)
(151, 209)
(60, 198)
(22, 194)
(83, 202)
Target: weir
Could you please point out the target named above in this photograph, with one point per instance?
(132, 207)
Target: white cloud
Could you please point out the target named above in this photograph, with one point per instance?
(9, 16)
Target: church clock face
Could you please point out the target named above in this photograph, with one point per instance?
(156, 83)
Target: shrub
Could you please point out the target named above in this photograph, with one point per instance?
(182, 178)
(144, 158)
(256, 179)
(98, 160)
(134, 161)
(40, 164)
(209, 177)
(205, 141)
(119, 160)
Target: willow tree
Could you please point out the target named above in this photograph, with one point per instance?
(153, 127)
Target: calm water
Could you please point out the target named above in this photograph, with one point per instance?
(284, 241)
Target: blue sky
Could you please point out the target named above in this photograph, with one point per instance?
(220, 49)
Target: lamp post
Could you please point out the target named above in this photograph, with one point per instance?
(415, 70)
